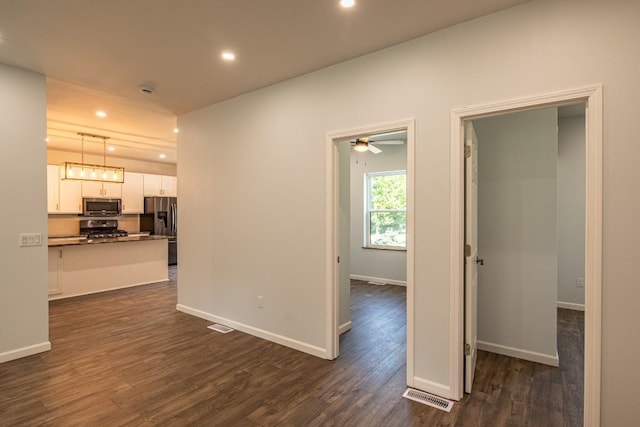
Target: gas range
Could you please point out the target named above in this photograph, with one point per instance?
(108, 235)
(101, 229)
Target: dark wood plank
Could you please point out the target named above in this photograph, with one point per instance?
(127, 357)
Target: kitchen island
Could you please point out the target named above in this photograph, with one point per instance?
(81, 266)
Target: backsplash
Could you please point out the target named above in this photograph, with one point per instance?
(69, 225)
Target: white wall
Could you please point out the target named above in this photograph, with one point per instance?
(252, 174)
(389, 265)
(24, 322)
(517, 236)
(571, 193)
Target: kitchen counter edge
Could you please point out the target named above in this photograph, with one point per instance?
(53, 242)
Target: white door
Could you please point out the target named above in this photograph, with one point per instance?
(471, 255)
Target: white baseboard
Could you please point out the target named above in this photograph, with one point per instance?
(260, 333)
(532, 356)
(344, 328)
(378, 279)
(431, 387)
(571, 306)
(25, 351)
(59, 295)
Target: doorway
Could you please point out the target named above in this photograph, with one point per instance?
(592, 97)
(336, 268)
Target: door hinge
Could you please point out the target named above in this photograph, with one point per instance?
(338, 260)
(467, 151)
(467, 349)
(467, 250)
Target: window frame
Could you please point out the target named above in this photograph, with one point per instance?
(367, 210)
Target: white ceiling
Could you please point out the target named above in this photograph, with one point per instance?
(97, 53)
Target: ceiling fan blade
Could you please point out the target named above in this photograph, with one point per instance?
(390, 135)
(388, 141)
(374, 150)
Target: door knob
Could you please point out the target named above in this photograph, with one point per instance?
(479, 261)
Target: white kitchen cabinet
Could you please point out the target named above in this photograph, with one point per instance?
(133, 193)
(63, 196)
(53, 180)
(55, 264)
(85, 269)
(160, 185)
(170, 186)
(70, 196)
(107, 190)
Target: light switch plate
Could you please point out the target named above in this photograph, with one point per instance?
(30, 239)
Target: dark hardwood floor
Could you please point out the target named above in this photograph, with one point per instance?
(128, 357)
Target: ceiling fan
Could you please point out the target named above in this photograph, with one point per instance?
(370, 143)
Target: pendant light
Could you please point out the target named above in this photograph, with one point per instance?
(88, 172)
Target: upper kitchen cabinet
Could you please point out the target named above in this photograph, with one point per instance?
(63, 196)
(53, 186)
(107, 190)
(170, 186)
(160, 185)
(70, 197)
(133, 193)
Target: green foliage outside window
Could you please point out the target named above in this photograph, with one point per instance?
(387, 209)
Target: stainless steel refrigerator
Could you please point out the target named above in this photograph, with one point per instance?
(161, 217)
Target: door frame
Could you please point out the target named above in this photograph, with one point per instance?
(332, 231)
(592, 97)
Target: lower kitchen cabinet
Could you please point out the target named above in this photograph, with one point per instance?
(55, 265)
(89, 268)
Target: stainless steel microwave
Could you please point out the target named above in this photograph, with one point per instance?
(101, 207)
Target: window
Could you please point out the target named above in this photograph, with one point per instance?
(386, 210)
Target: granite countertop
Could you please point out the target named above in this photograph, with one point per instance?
(82, 240)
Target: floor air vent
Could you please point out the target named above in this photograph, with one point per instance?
(428, 399)
(376, 282)
(220, 328)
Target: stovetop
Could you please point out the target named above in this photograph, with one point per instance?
(101, 229)
(106, 234)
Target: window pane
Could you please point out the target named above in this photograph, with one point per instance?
(388, 229)
(388, 192)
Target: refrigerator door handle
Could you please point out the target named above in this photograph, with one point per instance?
(174, 219)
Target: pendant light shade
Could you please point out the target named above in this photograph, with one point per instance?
(88, 172)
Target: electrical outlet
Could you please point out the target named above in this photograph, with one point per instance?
(580, 282)
(260, 302)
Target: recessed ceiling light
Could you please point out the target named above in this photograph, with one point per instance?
(176, 130)
(46, 139)
(101, 113)
(347, 3)
(228, 56)
(111, 148)
(162, 156)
